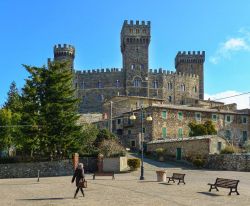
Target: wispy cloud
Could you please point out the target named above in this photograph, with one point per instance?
(232, 45)
(242, 101)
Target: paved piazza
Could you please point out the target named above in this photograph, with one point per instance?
(126, 189)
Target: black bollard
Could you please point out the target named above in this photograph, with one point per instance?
(38, 175)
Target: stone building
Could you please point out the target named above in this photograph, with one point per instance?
(135, 78)
(188, 148)
(171, 122)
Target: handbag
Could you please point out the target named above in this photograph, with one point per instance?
(82, 184)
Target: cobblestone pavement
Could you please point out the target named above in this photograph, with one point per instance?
(127, 189)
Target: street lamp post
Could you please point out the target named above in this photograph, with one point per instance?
(149, 118)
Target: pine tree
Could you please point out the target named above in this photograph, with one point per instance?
(31, 120)
(14, 99)
(5, 129)
(60, 111)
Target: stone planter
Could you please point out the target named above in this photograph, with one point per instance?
(161, 176)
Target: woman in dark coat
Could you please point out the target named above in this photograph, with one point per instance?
(78, 176)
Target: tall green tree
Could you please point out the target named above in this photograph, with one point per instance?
(5, 129)
(201, 129)
(31, 118)
(14, 99)
(14, 104)
(59, 110)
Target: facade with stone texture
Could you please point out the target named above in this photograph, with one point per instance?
(135, 78)
(187, 148)
(171, 122)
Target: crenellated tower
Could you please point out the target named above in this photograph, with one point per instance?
(192, 63)
(135, 39)
(64, 53)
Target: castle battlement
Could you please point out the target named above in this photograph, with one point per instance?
(171, 73)
(191, 53)
(64, 50)
(136, 23)
(190, 57)
(95, 71)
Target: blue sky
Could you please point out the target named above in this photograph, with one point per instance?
(29, 30)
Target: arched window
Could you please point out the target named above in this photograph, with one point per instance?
(170, 86)
(142, 66)
(84, 100)
(195, 89)
(155, 84)
(169, 98)
(117, 83)
(99, 84)
(191, 69)
(132, 66)
(137, 82)
(82, 85)
(100, 97)
(182, 88)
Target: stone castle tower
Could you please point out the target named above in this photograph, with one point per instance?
(192, 63)
(135, 39)
(135, 78)
(64, 53)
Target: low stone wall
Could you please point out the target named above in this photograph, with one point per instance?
(236, 162)
(116, 164)
(47, 169)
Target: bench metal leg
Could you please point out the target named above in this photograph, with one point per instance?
(181, 181)
(171, 180)
(93, 177)
(213, 187)
(235, 190)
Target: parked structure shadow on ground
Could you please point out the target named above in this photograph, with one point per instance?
(210, 194)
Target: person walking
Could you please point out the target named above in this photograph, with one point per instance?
(78, 176)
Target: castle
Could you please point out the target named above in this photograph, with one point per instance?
(135, 78)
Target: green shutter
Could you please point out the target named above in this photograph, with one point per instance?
(164, 132)
(180, 133)
(180, 115)
(164, 114)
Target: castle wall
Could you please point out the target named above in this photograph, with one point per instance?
(95, 86)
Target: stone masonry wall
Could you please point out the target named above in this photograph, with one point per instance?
(47, 169)
(236, 162)
(189, 148)
(28, 170)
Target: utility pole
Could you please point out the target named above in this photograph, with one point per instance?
(111, 116)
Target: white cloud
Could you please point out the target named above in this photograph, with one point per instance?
(235, 44)
(232, 45)
(242, 101)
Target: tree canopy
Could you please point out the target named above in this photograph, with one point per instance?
(201, 129)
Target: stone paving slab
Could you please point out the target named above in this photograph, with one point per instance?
(127, 189)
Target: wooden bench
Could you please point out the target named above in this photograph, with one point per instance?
(177, 176)
(104, 174)
(225, 183)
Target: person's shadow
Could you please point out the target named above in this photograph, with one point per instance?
(46, 198)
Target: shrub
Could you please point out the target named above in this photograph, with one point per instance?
(159, 152)
(134, 163)
(228, 150)
(198, 162)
